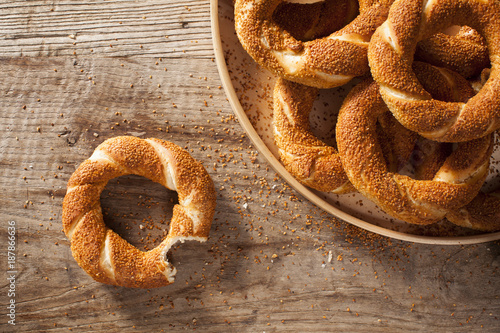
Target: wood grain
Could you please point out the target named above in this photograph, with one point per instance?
(274, 262)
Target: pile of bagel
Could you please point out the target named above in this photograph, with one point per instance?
(428, 99)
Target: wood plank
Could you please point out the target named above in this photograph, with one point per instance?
(274, 262)
(107, 28)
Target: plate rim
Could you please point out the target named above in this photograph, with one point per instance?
(303, 190)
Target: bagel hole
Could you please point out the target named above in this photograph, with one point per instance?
(426, 159)
(138, 209)
(324, 113)
(308, 21)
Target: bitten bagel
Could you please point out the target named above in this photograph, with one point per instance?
(390, 55)
(420, 202)
(323, 63)
(102, 253)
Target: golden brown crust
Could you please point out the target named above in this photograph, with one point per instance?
(464, 52)
(87, 243)
(365, 4)
(322, 63)
(103, 254)
(482, 213)
(421, 202)
(390, 56)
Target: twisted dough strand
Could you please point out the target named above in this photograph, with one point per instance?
(461, 49)
(482, 213)
(421, 202)
(308, 159)
(324, 63)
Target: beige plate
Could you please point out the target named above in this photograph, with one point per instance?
(249, 89)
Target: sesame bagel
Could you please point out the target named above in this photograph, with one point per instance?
(391, 52)
(310, 160)
(102, 253)
(323, 63)
(422, 202)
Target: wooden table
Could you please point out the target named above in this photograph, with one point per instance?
(75, 74)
